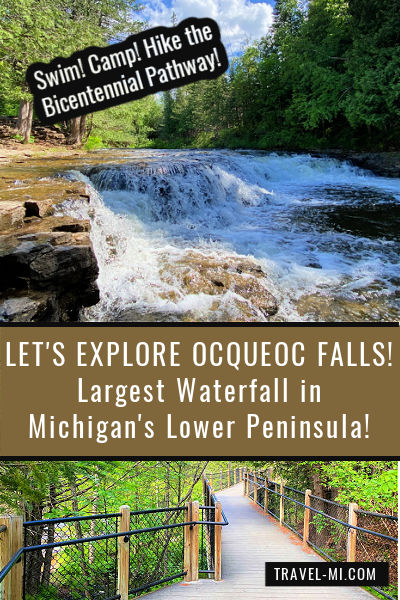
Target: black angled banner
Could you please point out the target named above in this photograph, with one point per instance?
(151, 61)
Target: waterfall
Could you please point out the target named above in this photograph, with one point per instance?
(248, 236)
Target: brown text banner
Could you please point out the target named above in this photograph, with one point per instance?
(199, 391)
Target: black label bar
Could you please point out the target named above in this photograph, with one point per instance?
(326, 574)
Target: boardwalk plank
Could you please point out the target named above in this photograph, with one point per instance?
(248, 542)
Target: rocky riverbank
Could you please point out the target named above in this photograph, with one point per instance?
(50, 270)
(47, 262)
(383, 164)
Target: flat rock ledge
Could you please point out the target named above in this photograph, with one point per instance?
(47, 263)
(238, 278)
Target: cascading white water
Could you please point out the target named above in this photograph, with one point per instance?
(322, 230)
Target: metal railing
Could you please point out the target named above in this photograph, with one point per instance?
(111, 556)
(56, 558)
(210, 555)
(220, 480)
(336, 531)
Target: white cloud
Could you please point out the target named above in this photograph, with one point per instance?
(239, 20)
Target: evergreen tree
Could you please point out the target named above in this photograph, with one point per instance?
(40, 30)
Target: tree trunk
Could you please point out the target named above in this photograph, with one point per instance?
(318, 488)
(24, 122)
(33, 560)
(93, 523)
(179, 491)
(167, 500)
(75, 134)
(82, 128)
(48, 557)
(79, 535)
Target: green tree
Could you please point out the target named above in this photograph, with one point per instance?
(30, 31)
(372, 484)
(168, 103)
(38, 30)
(373, 64)
(130, 124)
(38, 489)
(327, 74)
(98, 22)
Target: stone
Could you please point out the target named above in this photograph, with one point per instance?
(68, 265)
(12, 214)
(60, 238)
(35, 307)
(81, 238)
(320, 307)
(65, 273)
(39, 208)
(47, 263)
(72, 225)
(245, 281)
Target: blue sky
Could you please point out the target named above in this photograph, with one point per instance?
(239, 20)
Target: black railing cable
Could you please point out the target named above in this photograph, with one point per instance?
(95, 538)
(103, 516)
(320, 512)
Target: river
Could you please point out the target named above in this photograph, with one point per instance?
(192, 235)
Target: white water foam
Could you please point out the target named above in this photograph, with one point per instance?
(282, 211)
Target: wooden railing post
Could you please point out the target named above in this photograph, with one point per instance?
(266, 496)
(352, 533)
(187, 548)
(218, 540)
(194, 560)
(123, 552)
(191, 543)
(234, 476)
(306, 526)
(11, 540)
(281, 506)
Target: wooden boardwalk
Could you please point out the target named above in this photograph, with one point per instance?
(248, 542)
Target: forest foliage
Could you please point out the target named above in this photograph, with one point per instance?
(372, 484)
(39, 489)
(40, 30)
(327, 74)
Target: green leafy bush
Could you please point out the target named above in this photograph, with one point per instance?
(94, 142)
